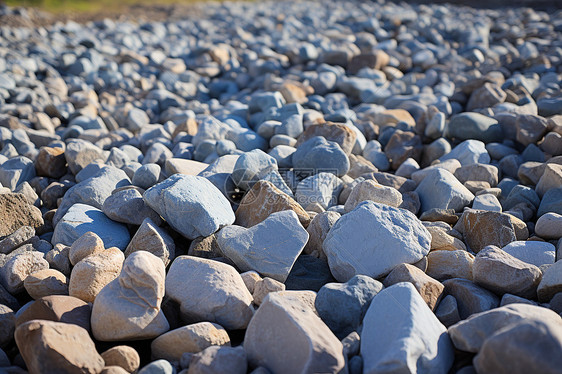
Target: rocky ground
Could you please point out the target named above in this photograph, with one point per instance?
(282, 187)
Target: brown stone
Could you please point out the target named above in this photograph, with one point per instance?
(482, 228)
(373, 60)
(551, 178)
(293, 93)
(58, 308)
(46, 282)
(450, 264)
(190, 126)
(15, 212)
(359, 165)
(334, 132)
(48, 346)
(429, 288)
(205, 247)
(262, 200)
(50, 162)
(471, 299)
(123, 356)
(86, 245)
(530, 128)
(403, 145)
(317, 230)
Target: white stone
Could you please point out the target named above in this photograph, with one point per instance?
(533, 252)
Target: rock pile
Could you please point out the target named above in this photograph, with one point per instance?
(283, 187)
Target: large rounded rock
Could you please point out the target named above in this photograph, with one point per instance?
(209, 290)
(57, 308)
(128, 308)
(359, 242)
(470, 125)
(191, 205)
(320, 155)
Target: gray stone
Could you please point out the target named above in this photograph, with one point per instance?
(320, 155)
(469, 152)
(322, 188)
(470, 125)
(533, 252)
(548, 226)
(270, 247)
(191, 205)
(448, 311)
(551, 202)
(358, 242)
(151, 238)
(18, 267)
(441, 190)
(471, 299)
(158, 367)
(127, 206)
(146, 176)
(16, 171)
(16, 239)
(79, 153)
(216, 360)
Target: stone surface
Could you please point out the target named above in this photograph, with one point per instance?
(15, 212)
(551, 282)
(123, 356)
(128, 308)
(222, 359)
(318, 230)
(262, 200)
(470, 298)
(352, 298)
(14, 272)
(549, 226)
(151, 238)
(7, 325)
(441, 190)
(298, 333)
(533, 252)
(488, 228)
(265, 286)
(86, 245)
(270, 247)
(45, 345)
(127, 206)
(16, 239)
(46, 282)
(191, 205)
(414, 339)
(208, 290)
(370, 190)
(551, 178)
(320, 155)
(191, 338)
(57, 308)
(430, 289)
(470, 125)
(358, 242)
(335, 132)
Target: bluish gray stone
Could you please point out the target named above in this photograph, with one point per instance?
(402, 335)
(270, 247)
(247, 140)
(257, 165)
(551, 202)
(469, 152)
(158, 367)
(191, 205)
(320, 155)
(283, 154)
(352, 298)
(146, 176)
(291, 126)
(16, 171)
(81, 218)
(136, 119)
(441, 190)
(533, 252)
(358, 242)
(321, 188)
(128, 206)
(471, 125)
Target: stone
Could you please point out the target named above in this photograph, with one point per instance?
(318, 230)
(191, 338)
(57, 308)
(81, 218)
(45, 345)
(551, 283)
(15, 212)
(251, 278)
(353, 299)
(430, 289)
(94, 272)
(80, 153)
(358, 241)
(447, 311)
(502, 273)
(253, 166)
(217, 360)
(270, 247)
(469, 152)
(158, 367)
(440, 239)
(146, 176)
(441, 190)
(482, 228)
(263, 287)
(46, 282)
(151, 238)
(532, 252)
(470, 334)
(551, 178)
(16, 239)
(86, 245)
(401, 146)
(471, 299)
(530, 128)
(450, 264)
(182, 166)
(208, 209)
(548, 226)
(471, 125)
(19, 267)
(551, 202)
(15, 171)
(298, 333)
(123, 356)
(262, 200)
(322, 188)
(309, 273)
(7, 325)
(50, 162)
(209, 290)
(128, 308)
(414, 339)
(486, 96)
(488, 202)
(127, 206)
(58, 259)
(516, 349)
(320, 155)
(334, 132)
(205, 247)
(371, 190)
(478, 172)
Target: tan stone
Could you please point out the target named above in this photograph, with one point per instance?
(263, 287)
(58, 258)
(333, 132)
(191, 338)
(450, 264)
(58, 308)
(94, 272)
(317, 230)
(551, 282)
(371, 190)
(183, 166)
(551, 178)
(46, 282)
(18, 267)
(46, 345)
(430, 289)
(293, 93)
(151, 238)
(440, 240)
(205, 247)
(374, 60)
(190, 126)
(86, 245)
(251, 278)
(391, 117)
(483, 228)
(123, 356)
(15, 212)
(113, 370)
(262, 200)
(50, 162)
(359, 165)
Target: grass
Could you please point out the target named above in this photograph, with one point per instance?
(88, 6)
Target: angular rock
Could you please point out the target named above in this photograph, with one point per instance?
(471, 299)
(401, 334)
(430, 289)
(15, 212)
(320, 155)
(128, 308)
(16, 239)
(209, 290)
(50, 162)
(483, 228)
(298, 333)
(46, 282)
(19, 267)
(448, 311)
(270, 247)
(57, 308)
(551, 178)
(322, 188)
(265, 286)
(370, 190)
(551, 282)
(334, 132)
(191, 205)
(358, 242)
(127, 206)
(468, 152)
(318, 230)
(441, 190)
(151, 238)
